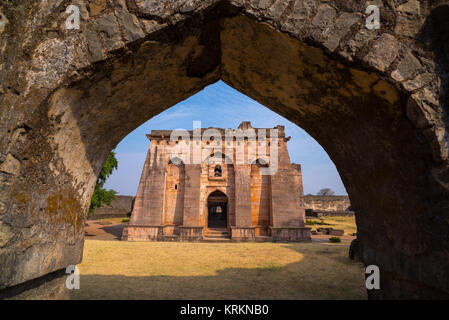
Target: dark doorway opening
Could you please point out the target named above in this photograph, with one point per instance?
(217, 207)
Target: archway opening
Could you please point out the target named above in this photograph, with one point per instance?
(371, 127)
(217, 171)
(217, 208)
(233, 109)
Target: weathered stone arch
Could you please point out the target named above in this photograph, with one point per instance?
(219, 191)
(176, 162)
(260, 162)
(374, 99)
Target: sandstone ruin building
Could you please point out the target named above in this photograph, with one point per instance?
(220, 195)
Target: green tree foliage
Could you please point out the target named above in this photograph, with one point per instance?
(325, 192)
(102, 196)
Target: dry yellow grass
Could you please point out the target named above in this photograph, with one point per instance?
(112, 220)
(337, 222)
(176, 270)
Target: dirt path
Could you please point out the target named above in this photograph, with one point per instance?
(103, 230)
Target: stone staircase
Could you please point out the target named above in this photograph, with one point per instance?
(217, 235)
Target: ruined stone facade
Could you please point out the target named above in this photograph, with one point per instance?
(185, 201)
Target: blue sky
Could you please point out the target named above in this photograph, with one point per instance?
(221, 106)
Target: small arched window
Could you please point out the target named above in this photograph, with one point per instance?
(176, 187)
(217, 171)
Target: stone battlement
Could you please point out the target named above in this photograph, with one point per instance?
(245, 129)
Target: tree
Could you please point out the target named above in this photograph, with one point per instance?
(325, 192)
(102, 196)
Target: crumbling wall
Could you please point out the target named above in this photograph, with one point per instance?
(121, 206)
(327, 203)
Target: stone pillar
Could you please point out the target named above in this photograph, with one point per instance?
(147, 215)
(191, 229)
(243, 231)
(287, 212)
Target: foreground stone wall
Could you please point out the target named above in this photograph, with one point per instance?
(376, 100)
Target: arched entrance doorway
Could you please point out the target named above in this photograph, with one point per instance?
(217, 210)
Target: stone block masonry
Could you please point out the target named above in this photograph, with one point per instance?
(219, 194)
(120, 207)
(327, 206)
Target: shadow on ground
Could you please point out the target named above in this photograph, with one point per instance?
(324, 272)
(115, 230)
(100, 231)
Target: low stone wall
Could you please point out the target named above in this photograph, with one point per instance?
(142, 233)
(310, 213)
(327, 203)
(120, 207)
(317, 206)
(243, 234)
(290, 234)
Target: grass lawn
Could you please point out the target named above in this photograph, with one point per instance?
(337, 222)
(180, 270)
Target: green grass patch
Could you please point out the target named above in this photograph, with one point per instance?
(336, 222)
(316, 222)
